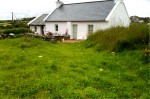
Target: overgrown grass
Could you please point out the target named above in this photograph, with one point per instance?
(120, 38)
(32, 68)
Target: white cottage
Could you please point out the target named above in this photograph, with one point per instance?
(80, 19)
(37, 25)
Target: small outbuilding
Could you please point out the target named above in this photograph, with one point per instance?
(37, 25)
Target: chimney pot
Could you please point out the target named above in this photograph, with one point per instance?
(59, 3)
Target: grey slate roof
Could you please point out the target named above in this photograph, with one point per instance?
(87, 11)
(39, 20)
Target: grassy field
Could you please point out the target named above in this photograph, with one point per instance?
(32, 68)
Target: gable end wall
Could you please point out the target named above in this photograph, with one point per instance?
(120, 16)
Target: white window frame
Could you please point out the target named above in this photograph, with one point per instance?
(90, 30)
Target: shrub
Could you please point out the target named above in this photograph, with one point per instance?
(120, 38)
(16, 30)
(123, 45)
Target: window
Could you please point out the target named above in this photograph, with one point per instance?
(56, 27)
(35, 28)
(90, 28)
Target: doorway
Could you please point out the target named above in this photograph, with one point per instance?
(42, 30)
(75, 28)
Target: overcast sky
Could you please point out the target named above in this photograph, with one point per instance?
(29, 8)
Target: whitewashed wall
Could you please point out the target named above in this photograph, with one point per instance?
(32, 28)
(120, 16)
(39, 29)
(82, 31)
(62, 27)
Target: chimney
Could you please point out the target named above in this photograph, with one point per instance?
(115, 1)
(59, 3)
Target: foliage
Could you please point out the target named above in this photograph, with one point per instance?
(16, 26)
(32, 68)
(22, 23)
(16, 30)
(19, 23)
(120, 38)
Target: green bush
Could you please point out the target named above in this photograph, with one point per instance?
(123, 45)
(16, 30)
(120, 38)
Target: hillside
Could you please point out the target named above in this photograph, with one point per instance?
(32, 68)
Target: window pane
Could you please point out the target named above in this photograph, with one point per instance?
(90, 28)
(56, 27)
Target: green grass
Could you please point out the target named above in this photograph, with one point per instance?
(32, 68)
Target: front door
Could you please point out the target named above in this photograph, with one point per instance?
(75, 27)
(42, 30)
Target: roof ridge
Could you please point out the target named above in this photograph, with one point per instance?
(87, 2)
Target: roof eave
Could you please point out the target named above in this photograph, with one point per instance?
(36, 25)
(76, 21)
